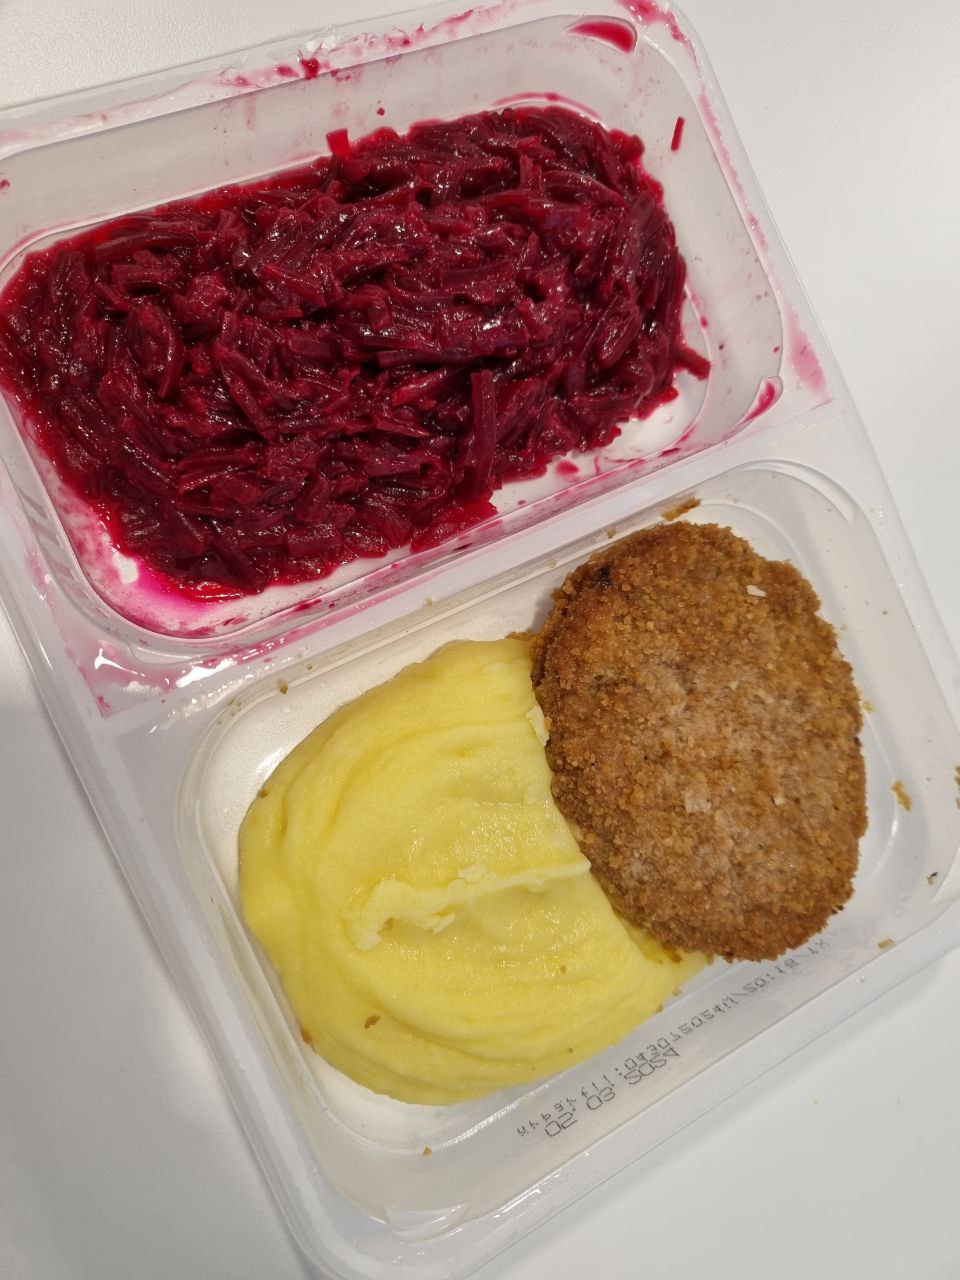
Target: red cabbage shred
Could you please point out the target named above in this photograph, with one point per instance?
(268, 381)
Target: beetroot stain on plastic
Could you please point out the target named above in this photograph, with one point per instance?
(769, 393)
(650, 13)
(677, 138)
(310, 67)
(456, 19)
(546, 95)
(622, 35)
(268, 381)
(803, 359)
(4, 184)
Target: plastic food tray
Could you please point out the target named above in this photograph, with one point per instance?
(174, 712)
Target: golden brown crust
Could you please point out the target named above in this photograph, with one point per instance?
(681, 509)
(704, 740)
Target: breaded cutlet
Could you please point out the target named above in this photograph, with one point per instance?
(703, 736)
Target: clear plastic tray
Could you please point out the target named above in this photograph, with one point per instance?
(173, 716)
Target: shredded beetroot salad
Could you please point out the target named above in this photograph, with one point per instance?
(268, 381)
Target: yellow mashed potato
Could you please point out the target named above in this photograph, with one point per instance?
(435, 926)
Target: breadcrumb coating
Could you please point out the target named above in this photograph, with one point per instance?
(703, 734)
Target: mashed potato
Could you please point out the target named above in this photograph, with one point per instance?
(436, 928)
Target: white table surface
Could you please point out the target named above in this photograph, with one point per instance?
(120, 1158)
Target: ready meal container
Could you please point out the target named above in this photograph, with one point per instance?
(174, 711)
